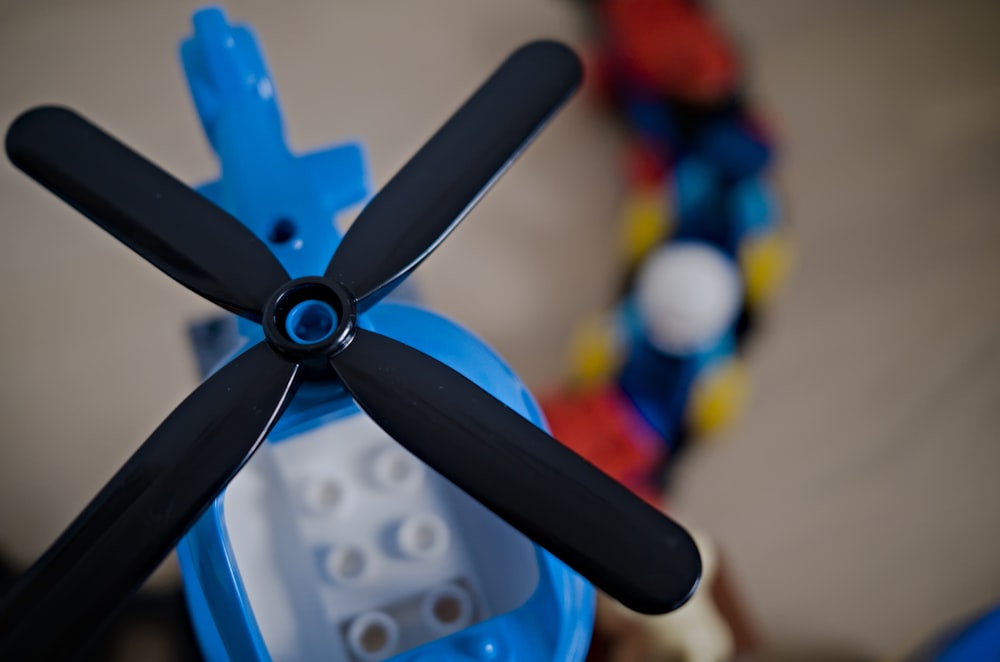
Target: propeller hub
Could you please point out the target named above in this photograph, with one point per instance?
(310, 319)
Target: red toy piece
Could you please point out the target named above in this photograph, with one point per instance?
(603, 427)
(671, 47)
(646, 168)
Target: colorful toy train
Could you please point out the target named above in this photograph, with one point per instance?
(703, 244)
(704, 248)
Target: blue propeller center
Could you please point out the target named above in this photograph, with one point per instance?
(311, 322)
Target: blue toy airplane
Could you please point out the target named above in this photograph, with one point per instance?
(382, 435)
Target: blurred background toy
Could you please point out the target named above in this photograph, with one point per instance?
(702, 245)
(671, 344)
(700, 156)
(975, 638)
(703, 250)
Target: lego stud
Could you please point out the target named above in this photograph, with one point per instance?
(321, 496)
(424, 535)
(446, 608)
(485, 647)
(394, 468)
(373, 635)
(347, 564)
(311, 322)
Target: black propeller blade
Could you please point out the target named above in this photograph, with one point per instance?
(160, 218)
(548, 492)
(145, 509)
(310, 325)
(428, 197)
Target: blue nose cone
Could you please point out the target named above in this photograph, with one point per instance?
(311, 322)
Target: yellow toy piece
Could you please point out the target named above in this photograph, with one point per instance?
(646, 221)
(717, 397)
(595, 351)
(765, 261)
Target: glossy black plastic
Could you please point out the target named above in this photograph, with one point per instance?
(159, 217)
(434, 191)
(145, 509)
(596, 526)
(314, 357)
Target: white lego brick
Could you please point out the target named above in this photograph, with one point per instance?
(352, 549)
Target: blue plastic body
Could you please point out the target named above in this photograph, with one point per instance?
(658, 384)
(290, 201)
(719, 211)
(725, 138)
(972, 641)
(718, 163)
(980, 640)
(713, 208)
(721, 197)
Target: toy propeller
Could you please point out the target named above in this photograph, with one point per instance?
(622, 545)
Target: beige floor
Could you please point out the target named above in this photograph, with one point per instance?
(857, 501)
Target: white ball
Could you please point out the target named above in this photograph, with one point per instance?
(688, 294)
